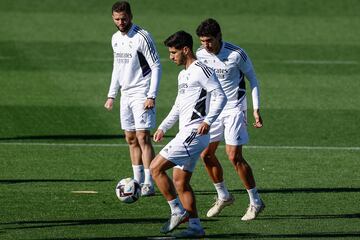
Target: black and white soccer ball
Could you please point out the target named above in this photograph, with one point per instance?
(128, 190)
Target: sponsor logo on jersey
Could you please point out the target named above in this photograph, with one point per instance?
(123, 58)
(182, 88)
(221, 73)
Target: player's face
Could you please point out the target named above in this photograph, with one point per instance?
(210, 43)
(177, 56)
(122, 21)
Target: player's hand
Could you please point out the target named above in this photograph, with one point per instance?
(109, 104)
(203, 128)
(158, 135)
(258, 120)
(149, 103)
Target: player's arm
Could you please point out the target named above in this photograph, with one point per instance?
(217, 103)
(114, 85)
(152, 57)
(247, 68)
(167, 123)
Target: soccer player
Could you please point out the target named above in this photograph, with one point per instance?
(197, 86)
(231, 65)
(136, 72)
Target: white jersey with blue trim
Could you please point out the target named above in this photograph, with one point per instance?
(192, 102)
(231, 65)
(136, 67)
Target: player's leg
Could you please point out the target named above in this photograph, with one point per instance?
(212, 164)
(144, 121)
(135, 155)
(144, 140)
(186, 194)
(236, 135)
(158, 169)
(215, 171)
(245, 173)
(128, 125)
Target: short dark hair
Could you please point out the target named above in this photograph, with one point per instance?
(179, 40)
(209, 27)
(122, 6)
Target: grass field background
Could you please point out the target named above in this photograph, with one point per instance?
(56, 137)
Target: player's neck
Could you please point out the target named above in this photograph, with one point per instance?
(189, 60)
(219, 46)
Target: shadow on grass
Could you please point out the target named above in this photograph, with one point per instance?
(16, 181)
(288, 190)
(72, 137)
(322, 216)
(65, 137)
(325, 235)
(139, 221)
(64, 223)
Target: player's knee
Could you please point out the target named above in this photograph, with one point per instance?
(143, 139)
(207, 156)
(179, 184)
(236, 159)
(131, 140)
(154, 171)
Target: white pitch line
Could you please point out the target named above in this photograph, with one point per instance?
(159, 146)
(84, 192)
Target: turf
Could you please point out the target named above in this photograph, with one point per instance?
(56, 137)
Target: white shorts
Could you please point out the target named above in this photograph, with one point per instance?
(133, 116)
(185, 149)
(231, 125)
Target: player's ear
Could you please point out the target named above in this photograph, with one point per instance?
(186, 50)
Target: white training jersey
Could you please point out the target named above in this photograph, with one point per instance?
(231, 64)
(192, 102)
(136, 68)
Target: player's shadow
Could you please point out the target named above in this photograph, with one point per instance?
(63, 223)
(17, 181)
(85, 222)
(65, 137)
(288, 190)
(311, 235)
(71, 137)
(325, 235)
(302, 216)
(320, 216)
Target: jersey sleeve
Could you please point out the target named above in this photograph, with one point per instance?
(171, 118)
(246, 66)
(152, 57)
(115, 83)
(217, 95)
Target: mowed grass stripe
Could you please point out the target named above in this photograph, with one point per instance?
(162, 145)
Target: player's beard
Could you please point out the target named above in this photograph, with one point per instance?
(182, 60)
(125, 29)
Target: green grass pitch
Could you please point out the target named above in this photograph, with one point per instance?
(56, 137)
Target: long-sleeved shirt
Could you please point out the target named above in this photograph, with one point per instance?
(200, 98)
(136, 68)
(231, 65)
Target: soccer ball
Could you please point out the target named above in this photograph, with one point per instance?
(128, 190)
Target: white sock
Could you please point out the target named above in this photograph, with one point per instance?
(148, 179)
(138, 171)
(254, 196)
(194, 223)
(176, 206)
(222, 191)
